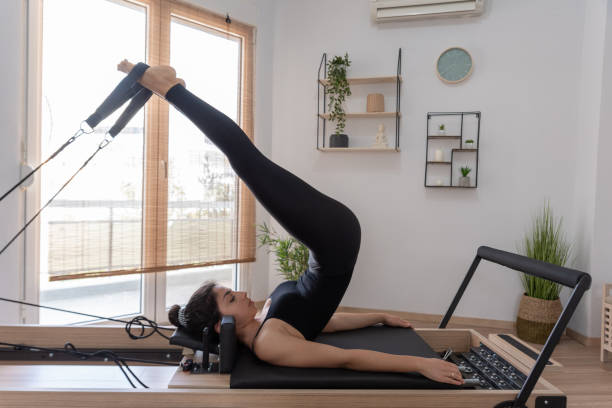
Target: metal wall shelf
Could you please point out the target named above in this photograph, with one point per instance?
(452, 138)
(323, 116)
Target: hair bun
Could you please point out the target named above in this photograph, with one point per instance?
(173, 315)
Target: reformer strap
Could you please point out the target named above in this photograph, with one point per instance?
(141, 97)
(52, 198)
(127, 88)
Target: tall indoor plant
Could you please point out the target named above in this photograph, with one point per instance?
(338, 89)
(540, 305)
(291, 254)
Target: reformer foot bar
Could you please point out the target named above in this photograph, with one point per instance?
(213, 388)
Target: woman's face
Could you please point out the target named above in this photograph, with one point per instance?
(235, 304)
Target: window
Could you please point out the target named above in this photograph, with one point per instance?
(160, 194)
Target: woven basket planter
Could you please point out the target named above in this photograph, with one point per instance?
(536, 318)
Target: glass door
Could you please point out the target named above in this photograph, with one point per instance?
(96, 222)
(202, 187)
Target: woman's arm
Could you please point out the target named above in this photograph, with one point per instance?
(286, 350)
(349, 321)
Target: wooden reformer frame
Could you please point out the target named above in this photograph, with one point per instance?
(212, 390)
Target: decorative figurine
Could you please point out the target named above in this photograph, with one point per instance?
(381, 139)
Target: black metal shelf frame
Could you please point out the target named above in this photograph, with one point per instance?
(321, 135)
(459, 137)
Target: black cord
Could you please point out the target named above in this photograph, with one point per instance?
(52, 198)
(58, 151)
(151, 323)
(138, 320)
(70, 348)
(121, 362)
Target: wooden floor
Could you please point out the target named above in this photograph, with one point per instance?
(586, 382)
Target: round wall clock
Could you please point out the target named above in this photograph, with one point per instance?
(454, 65)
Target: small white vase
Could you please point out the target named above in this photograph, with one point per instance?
(464, 181)
(441, 132)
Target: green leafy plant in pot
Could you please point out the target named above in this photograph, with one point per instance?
(338, 89)
(464, 181)
(540, 306)
(291, 254)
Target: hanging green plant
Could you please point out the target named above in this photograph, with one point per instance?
(338, 89)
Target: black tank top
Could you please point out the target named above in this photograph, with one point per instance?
(288, 305)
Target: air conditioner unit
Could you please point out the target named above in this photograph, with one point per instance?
(394, 10)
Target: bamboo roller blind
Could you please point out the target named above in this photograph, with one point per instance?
(172, 233)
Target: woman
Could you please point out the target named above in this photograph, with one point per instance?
(283, 333)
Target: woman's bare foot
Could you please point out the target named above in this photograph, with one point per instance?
(159, 78)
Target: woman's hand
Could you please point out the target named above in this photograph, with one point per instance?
(395, 321)
(441, 371)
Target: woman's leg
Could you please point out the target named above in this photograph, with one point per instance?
(328, 228)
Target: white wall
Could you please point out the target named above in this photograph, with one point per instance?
(601, 257)
(528, 83)
(587, 319)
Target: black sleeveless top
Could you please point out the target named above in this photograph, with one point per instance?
(288, 305)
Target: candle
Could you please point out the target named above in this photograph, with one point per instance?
(438, 182)
(439, 155)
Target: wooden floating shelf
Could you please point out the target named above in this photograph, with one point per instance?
(449, 186)
(439, 162)
(444, 137)
(464, 150)
(357, 149)
(365, 115)
(372, 80)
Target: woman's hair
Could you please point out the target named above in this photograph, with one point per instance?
(201, 311)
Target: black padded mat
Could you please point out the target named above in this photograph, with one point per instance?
(250, 372)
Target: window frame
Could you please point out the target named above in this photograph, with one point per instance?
(155, 167)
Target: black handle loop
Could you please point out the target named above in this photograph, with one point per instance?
(135, 105)
(125, 90)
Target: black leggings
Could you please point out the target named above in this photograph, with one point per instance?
(328, 228)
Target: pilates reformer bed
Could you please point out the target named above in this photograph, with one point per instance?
(227, 375)
(501, 375)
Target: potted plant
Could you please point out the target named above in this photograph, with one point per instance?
(338, 89)
(442, 129)
(469, 144)
(291, 254)
(465, 180)
(540, 306)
